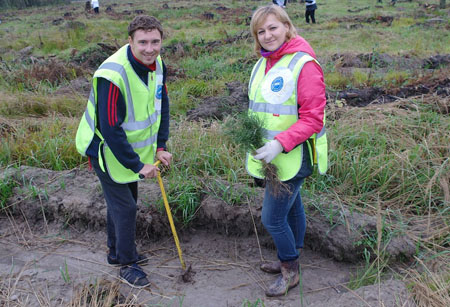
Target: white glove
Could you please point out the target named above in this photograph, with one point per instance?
(269, 151)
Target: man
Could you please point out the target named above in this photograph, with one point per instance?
(125, 125)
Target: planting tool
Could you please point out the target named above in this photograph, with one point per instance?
(169, 214)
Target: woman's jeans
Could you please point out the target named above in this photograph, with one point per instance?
(283, 215)
(284, 218)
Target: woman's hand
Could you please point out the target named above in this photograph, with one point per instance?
(269, 151)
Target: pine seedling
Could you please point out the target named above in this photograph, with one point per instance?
(247, 131)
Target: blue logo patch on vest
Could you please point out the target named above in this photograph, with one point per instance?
(277, 84)
(159, 92)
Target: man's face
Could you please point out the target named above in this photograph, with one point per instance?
(146, 45)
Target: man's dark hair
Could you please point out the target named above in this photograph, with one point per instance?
(146, 23)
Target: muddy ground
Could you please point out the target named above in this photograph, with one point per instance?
(54, 246)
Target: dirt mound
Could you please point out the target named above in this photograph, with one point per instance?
(179, 48)
(433, 85)
(79, 86)
(80, 202)
(378, 60)
(91, 57)
(219, 107)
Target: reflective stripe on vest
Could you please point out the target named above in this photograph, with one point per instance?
(273, 98)
(141, 123)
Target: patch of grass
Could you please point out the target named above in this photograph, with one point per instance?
(394, 154)
(430, 282)
(249, 303)
(18, 104)
(403, 22)
(336, 80)
(201, 149)
(43, 77)
(359, 78)
(47, 143)
(6, 190)
(64, 270)
(183, 195)
(99, 293)
(187, 94)
(394, 79)
(227, 192)
(368, 275)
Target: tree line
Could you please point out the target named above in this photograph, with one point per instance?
(19, 4)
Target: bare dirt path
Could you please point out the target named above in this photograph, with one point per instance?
(224, 271)
(48, 259)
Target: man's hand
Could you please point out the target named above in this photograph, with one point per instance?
(165, 157)
(269, 151)
(149, 171)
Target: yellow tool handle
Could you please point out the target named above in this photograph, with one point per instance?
(169, 214)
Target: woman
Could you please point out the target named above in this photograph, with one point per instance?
(287, 92)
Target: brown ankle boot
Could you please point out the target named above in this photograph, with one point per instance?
(289, 279)
(272, 267)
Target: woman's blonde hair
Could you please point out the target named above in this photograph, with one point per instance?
(259, 17)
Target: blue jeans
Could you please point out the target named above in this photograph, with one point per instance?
(283, 215)
(285, 220)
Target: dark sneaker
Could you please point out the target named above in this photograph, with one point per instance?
(134, 276)
(113, 260)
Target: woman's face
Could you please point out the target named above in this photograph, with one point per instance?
(272, 33)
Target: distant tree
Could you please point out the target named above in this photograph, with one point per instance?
(28, 3)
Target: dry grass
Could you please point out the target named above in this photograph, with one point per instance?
(101, 293)
(409, 128)
(430, 283)
(40, 105)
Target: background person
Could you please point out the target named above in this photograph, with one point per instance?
(281, 3)
(287, 92)
(311, 7)
(125, 125)
(95, 5)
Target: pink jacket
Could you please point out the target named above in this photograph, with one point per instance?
(311, 95)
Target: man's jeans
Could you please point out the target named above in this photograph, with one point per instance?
(121, 216)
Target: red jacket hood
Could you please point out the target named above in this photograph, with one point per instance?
(296, 44)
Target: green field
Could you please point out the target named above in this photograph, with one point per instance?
(393, 156)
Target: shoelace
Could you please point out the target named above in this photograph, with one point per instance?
(134, 268)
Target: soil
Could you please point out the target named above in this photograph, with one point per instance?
(431, 84)
(54, 246)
